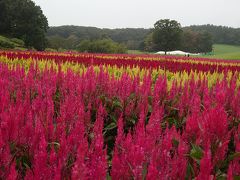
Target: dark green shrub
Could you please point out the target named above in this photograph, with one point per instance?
(101, 46)
(4, 44)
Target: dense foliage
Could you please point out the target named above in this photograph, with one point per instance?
(167, 35)
(220, 34)
(101, 46)
(68, 37)
(196, 42)
(24, 20)
(10, 43)
(93, 116)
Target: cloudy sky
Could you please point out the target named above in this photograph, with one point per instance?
(140, 13)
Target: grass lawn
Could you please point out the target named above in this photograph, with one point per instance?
(11, 43)
(220, 51)
(136, 52)
(223, 51)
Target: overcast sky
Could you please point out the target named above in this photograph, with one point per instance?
(140, 13)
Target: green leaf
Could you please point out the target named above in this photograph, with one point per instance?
(117, 104)
(26, 165)
(170, 121)
(150, 99)
(111, 126)
(108, 177)
(196, 152)
(132, 120)
(220, 175)
(113, 118)
(175, 143)
(236, 178)
(54, 143)
(144, 171)
(190, 171)
(233, 156)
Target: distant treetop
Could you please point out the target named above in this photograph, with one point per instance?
(24, 20)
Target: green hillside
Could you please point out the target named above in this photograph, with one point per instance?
(221, 51)
(11, 43)
(225, 52)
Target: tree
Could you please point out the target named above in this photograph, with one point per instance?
(148, 43)
(196, 42)
(167, 35)
(24, 20)
(132, 38)
(101, 46)
(4, 18)
(220, 34)
(189, 41)
(205, 42)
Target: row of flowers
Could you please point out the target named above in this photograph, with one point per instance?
(173, 64)
(56, 125)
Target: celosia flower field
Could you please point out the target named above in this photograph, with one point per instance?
(97, 116)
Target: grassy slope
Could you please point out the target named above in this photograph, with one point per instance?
(220, 51)
(136, 52)
(223, 51)
(17, 43)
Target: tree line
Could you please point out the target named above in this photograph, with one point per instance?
(77, 37)
(24, 20)
(168, 35)
(220, 34)
(105, 45)
(194, 38)
(69, 37)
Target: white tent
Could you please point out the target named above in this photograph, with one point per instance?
(177, 52)
(160, 52)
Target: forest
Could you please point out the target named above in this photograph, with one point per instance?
(69, 37)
